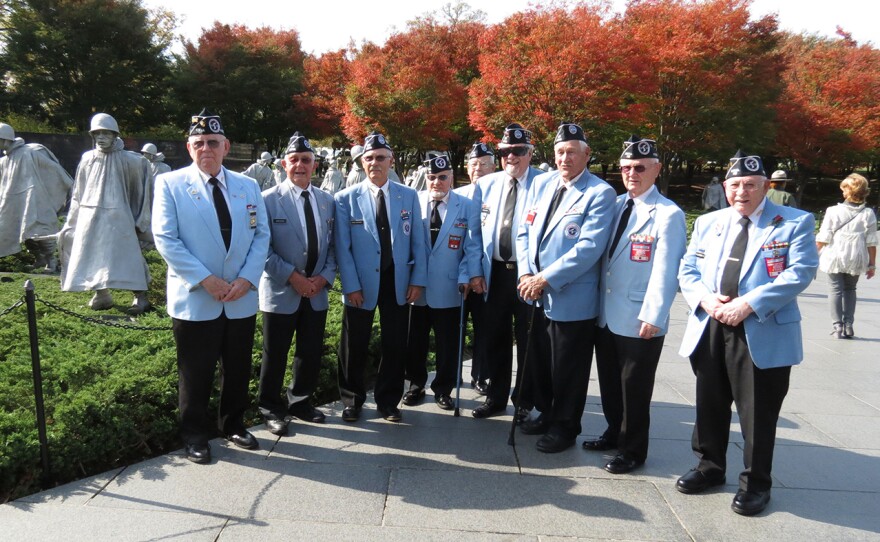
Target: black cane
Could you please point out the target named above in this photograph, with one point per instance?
(460, 353)
(511, 440)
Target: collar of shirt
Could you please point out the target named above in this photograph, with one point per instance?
(374, 190)
(753, 218)
(221, 177)
(642, 198)
(297, 191)
(569, 184)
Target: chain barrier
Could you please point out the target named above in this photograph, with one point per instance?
(96, 320)
(17, 304)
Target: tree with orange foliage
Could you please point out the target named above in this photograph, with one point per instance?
(247, 76)
(829, 113)
(322, 102)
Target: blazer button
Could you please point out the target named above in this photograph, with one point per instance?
(377, 270)
(608, 291)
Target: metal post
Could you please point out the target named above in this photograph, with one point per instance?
(38, 380)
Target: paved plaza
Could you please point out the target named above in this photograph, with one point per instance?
(438, 477)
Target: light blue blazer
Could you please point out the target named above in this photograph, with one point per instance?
(455, 258)
(288, 249)
(633, 290)
(572, 246)
(357, 242)
(488, 193)
(187, 235)
(773, 331)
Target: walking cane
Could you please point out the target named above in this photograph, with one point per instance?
(460, 353)
(511, 440)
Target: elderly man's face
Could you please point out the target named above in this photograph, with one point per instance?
(104, 139)
(208, 151)
(439, 184)
(479, 167)
(515, 159)
(571, 158)
(639, 175)
(299, 167)
(744, 194)
(377, 163)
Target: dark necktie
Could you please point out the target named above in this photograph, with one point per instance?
(621, 226)
(311, 234)
(733, 266)
(554, 204)
(384, 232)
(222, 209)
(435, 222)
(505, 243)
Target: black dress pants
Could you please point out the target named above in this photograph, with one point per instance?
(445, 323)
(726, 374)
(200, 345)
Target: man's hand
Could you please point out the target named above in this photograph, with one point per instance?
(356, 299)
(531, 287)
(216, 287)
(478, 285)
(648, 331)
(713, 302)
(301, 284)
(237, 290)
(733, 312)
(413, 293)
(319, 282)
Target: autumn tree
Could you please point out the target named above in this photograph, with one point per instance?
(322, 101)
(712, 77)
(414, 88)
(829, 112)
(547, 65)
(249, 77)
(64, 60)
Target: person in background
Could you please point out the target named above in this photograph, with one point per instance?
(777, 193)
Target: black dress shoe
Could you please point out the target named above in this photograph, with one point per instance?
(306, 413)
(697, 481)
(489, 409)
(198, 453)
(351, 413)
(552, 443)
(277, 426)
(621, 464)
(481, 387)
(749, 503)
(414, 396)
(601, 444)
(243, 440)
(536, 426)
(444, 401)
(391, 414)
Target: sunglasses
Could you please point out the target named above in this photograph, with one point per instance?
(516, 151)
(638, 169)
(211, 143)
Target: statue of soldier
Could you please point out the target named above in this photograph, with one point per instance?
(261, 172)
(33, 189)
(109, 208)
(333, 179)
(156, 159)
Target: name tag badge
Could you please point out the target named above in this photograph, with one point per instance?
(640, 251)
(775, 265)
(279, 221)
(530, 218)
(252, 214)
(454, 242)
(356, 222)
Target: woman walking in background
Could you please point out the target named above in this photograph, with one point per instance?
(847, 243)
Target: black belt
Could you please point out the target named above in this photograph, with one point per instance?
(501, 264)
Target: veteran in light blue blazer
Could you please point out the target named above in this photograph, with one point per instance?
(210, 226)
(559, 246)
(380, 251)
(637, 288)
(741, 276)
(300, 270)
(502, 198)
(452, 241)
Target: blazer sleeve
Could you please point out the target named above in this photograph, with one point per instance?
(663, 283)
(329, 269)
(419, 249)
(255, 261)
(276, 266)
(690, 276)
(344, 256)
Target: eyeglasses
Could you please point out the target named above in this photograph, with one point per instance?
(443, 177)
(199, 144)
(375, 158)
(750, 186)
(516, 151)
(637, 168)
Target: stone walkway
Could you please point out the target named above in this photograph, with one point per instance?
(437, 477)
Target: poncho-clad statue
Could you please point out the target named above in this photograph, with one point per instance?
(99, 242)
(156, 159)
(33, 190)
(261, 172)
(280, 174)
(333, 179)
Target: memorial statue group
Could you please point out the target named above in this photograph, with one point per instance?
(554, 263)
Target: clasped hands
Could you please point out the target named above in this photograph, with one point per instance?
(305, 286)
(531, 287)
(226, 292)
(727, 310)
